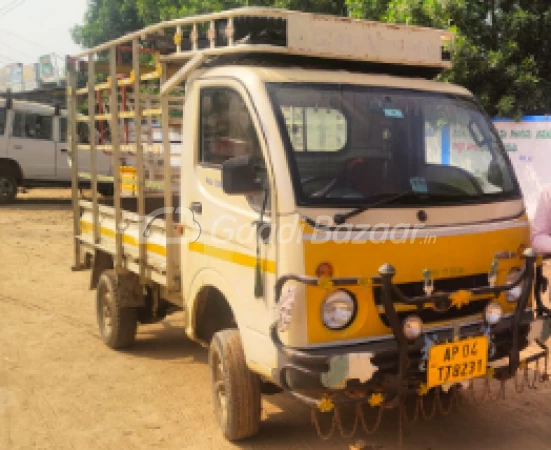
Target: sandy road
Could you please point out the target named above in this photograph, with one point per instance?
(60, 387)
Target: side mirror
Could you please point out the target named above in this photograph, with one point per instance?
(495, 175)
(242, 175)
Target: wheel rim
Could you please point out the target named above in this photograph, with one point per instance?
(220, 395)
(105, 314)
(6, 187)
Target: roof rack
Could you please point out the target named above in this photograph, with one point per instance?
(269, 30)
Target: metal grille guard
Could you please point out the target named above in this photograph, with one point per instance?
(529, 276)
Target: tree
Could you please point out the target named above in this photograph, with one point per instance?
(502, 51)
(106, 20)
(153, 11)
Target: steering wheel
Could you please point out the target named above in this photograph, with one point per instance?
(334, 182)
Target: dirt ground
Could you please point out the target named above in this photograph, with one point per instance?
(60, 387)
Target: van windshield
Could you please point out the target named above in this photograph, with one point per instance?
(349, 145)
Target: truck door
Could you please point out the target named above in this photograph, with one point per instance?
(228, 127)
(103, 158)
(32, 145)
(63, 168)
(3, 130)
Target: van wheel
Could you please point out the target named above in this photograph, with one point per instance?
(117, 325)
(236, 390)
(8, 188)
(106, 190)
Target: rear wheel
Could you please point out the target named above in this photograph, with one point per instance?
(236, 390)
(8, 188)
(117, 325)
(105, 190)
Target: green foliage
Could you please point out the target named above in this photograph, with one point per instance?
(502, 50)
(153, 11)
(106, 20)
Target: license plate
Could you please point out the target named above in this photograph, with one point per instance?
(457, 361)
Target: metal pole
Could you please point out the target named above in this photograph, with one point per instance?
(73, 142)
(169, 219)
(139, 156)
(115, 142)
(92, 137)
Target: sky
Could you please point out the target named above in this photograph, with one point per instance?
(31, 28)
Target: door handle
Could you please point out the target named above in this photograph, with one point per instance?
(63, 150)
(18, 147)
(196, 207)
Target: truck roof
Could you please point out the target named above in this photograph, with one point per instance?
(302, 75)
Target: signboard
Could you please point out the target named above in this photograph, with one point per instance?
(30, 78)
(15, 77)
(47, 69)
(3, 79)
(528, 144)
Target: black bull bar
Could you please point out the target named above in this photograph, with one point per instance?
(315, 363)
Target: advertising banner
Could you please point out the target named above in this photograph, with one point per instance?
(47, 69)
(15, 77)
(528, 144)
(30, 77)
(3, 79)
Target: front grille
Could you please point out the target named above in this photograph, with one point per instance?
(444, 285)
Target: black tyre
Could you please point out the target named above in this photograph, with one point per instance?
(117, 325)
(105, 189)
(236, 390)
(8, 188)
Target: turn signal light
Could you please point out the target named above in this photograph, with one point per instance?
(324, 270)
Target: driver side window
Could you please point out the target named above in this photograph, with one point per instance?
(226, 127)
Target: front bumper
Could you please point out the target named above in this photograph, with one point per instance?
(396, 365)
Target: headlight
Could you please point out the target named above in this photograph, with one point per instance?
(413, 327)
(493, 313)
(338, 310)
(512, 295)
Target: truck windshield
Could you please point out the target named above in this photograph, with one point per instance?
(349, 145)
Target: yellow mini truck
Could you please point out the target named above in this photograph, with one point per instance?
(342, 227)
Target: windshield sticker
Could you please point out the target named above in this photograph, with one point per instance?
(419, 185)
(394, 113)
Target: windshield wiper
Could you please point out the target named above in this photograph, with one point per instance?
(340, 219)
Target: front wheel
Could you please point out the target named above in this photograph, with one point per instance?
(117, 325)
(8, 188)
(236, 390)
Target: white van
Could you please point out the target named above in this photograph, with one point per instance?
(33, 149)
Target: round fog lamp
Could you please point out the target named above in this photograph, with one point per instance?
(493, 313)
(413, 327)
(338, 310)
(512, 295)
